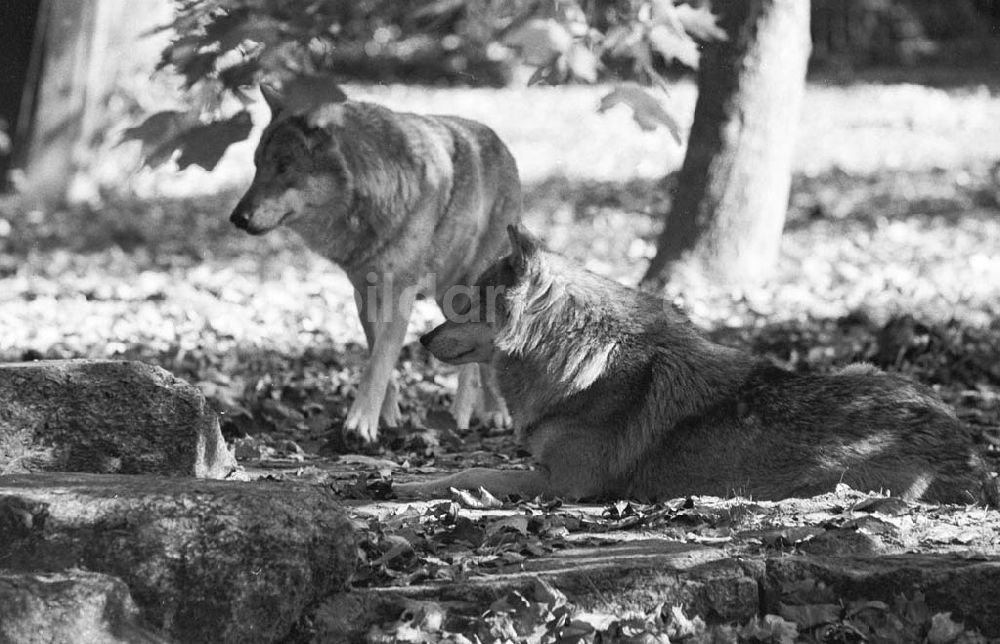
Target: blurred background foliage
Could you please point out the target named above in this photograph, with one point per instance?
(98, 92)
(452, 41)
(469, 42)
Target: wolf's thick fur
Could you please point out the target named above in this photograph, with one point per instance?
(401, 202)
(617, 395)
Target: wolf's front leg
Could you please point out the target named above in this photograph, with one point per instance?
(500, 483)
(466, 395)
(385, 322)
(492, 406)
(390, 414)
(478, 395)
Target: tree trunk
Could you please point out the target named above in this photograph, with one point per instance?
(17, 30)
(49, 156)
(83, 51)
(729, 206)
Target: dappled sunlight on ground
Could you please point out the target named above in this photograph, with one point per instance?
(890, 255)
(894, 211)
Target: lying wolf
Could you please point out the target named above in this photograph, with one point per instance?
(616, 394)
(403, 203)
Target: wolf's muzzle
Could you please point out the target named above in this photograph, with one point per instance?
(242, 215)
(239, 218)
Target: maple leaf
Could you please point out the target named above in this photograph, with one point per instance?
(241, 74)
(647, 111)
(156, 129)
(674, 45)
(700, 23)
(226, 28)
(540, 41)
(582, 63)
(204, 145)
(166, 132)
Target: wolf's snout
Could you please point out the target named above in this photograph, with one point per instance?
(240, 220)
(239, 217)
(243, 216)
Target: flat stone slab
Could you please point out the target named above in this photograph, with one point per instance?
(619, 577)
(205, 561)
(71, 606)
(968, 587)
(716, 584)
(106, 416)
(613, 579)
(846, 557)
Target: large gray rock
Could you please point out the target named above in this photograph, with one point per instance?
(69, 607)
(206, 561)
(106, 416)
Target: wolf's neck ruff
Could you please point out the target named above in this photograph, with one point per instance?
(551, 326)
(565, 330)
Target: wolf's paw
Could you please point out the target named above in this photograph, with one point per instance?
(463, 417)
(390, 414)
(363, 424)
(497, 418)
(464, 407)
(492, 412)
(494, 418)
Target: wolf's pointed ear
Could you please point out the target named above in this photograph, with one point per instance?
(523, 246)
(273, 98)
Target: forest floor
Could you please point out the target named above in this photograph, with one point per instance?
(890, 255)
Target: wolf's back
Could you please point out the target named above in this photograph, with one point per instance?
(445, 180)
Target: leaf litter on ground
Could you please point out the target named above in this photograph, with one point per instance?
(282, 398)
(893, 266)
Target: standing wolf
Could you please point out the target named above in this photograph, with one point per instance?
(402, 203)
(617, 395)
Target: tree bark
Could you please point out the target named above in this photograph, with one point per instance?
(17, 28)
(729, 207)
(83, 51)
